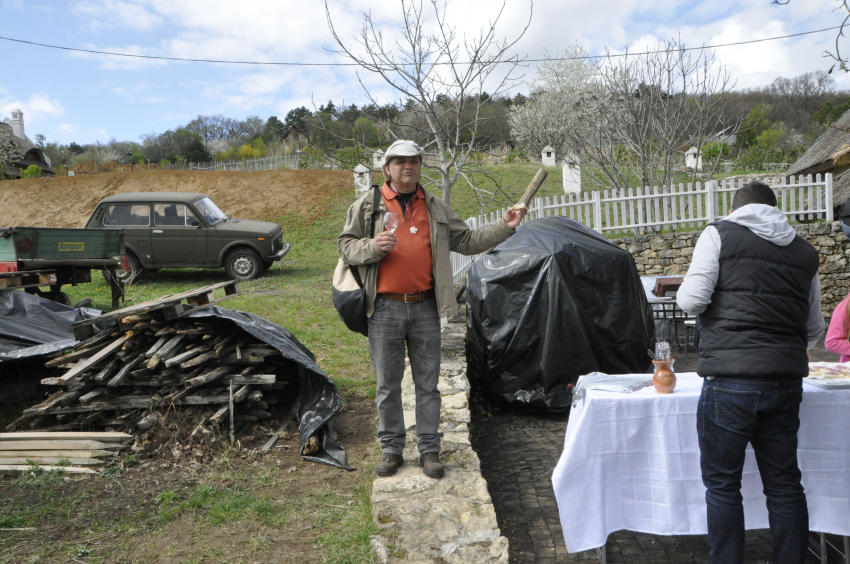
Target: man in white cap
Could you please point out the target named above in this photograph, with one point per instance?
(407, 276)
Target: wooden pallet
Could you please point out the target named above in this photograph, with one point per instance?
(27, 279)
(167, 307)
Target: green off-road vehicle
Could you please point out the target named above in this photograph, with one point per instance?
(187, 230)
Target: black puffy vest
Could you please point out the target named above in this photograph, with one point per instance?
(755, 326)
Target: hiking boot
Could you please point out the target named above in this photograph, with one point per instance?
(431, 465)
(388, 464)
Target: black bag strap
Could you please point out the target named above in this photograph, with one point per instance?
(376, 208)
(376, 211)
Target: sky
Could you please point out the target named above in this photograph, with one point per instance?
(70, 96)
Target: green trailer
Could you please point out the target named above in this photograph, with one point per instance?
(32, 258)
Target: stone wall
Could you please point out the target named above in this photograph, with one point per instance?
(670, 254)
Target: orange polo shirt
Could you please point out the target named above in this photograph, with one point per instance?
(409, 268)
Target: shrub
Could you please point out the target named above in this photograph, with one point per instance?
(32, 171)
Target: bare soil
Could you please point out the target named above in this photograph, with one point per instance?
(119, 520)
(68, 201)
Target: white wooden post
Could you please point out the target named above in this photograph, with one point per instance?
(709, 201)
(828, 196)
(539, 202)
(597, 212)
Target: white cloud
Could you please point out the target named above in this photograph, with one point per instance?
(37, 109)
(66, 129)
(111, 62)
(114, 13)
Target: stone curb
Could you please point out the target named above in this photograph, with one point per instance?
(446, 521)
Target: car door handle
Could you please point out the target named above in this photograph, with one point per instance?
(157, 231)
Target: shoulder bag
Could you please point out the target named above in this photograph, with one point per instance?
(348, 293)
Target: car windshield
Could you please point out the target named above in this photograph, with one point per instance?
(210, 211)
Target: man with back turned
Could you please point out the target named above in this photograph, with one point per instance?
(754, 283)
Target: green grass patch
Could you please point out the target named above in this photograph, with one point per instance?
(36, 477)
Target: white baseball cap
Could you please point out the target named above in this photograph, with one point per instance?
(403, 148)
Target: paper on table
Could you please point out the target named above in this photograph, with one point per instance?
(624, 383)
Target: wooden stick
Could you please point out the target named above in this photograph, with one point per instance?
(526, 198)
(219, 415)
(119, 377)
(107, 370)
(15, 469)
(76, 355)
(198, 360)
(183, 357)
(105, 436)
(156, 346)
(92, 360)
(208, 377)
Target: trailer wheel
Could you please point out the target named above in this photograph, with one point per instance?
(60, 298)
(126, 276)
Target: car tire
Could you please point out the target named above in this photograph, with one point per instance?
(126, 276)
(267, 265)
(243, 264)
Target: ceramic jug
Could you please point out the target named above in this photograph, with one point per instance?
(664, 379)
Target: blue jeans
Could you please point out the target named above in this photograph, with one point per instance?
(731, 414)
(393, 325)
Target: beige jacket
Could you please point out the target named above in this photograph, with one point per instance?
(448, 233)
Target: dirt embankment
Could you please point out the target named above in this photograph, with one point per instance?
(68, 201)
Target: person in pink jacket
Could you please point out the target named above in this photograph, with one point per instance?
(839, 330)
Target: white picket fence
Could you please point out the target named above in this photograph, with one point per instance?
(637, 211)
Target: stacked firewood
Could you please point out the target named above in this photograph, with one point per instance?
(125, 378)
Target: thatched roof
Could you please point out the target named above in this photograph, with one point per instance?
(832, 149)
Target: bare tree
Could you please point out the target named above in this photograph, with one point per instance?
(441, 76)
(631, 119)
(841, 60)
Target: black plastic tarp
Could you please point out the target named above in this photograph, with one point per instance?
(318, 397)
(32, 326)
(553, 302)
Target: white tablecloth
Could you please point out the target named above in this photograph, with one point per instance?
(631, 461)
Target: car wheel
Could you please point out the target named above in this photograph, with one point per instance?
(243, 264)
(126, 276)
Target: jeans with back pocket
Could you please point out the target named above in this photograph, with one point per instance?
(731, 414)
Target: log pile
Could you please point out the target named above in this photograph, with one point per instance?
(124, 378)
(70, 452)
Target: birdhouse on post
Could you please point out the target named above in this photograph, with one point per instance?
(378, 159)
(362, 179)
(693, 159)
(572, 176)
(548, 156)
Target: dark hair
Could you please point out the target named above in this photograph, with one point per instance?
(754, 192)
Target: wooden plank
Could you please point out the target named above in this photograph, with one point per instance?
(152, 305)
(58, 445)
(50, 460)
(92, 360)
(15, 469)
(76, 355)
(104, 436)
(60, 453)
(138, 402)
(193, 352)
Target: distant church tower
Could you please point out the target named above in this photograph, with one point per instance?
(17, 124)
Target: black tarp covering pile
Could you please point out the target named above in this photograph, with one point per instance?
(553, 302)
(318, 397)
(32, 326)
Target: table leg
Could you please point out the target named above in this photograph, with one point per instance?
(602, 553)
(823, 557)
(846, 549)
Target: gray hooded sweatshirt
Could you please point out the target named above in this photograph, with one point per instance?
(769, 223)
